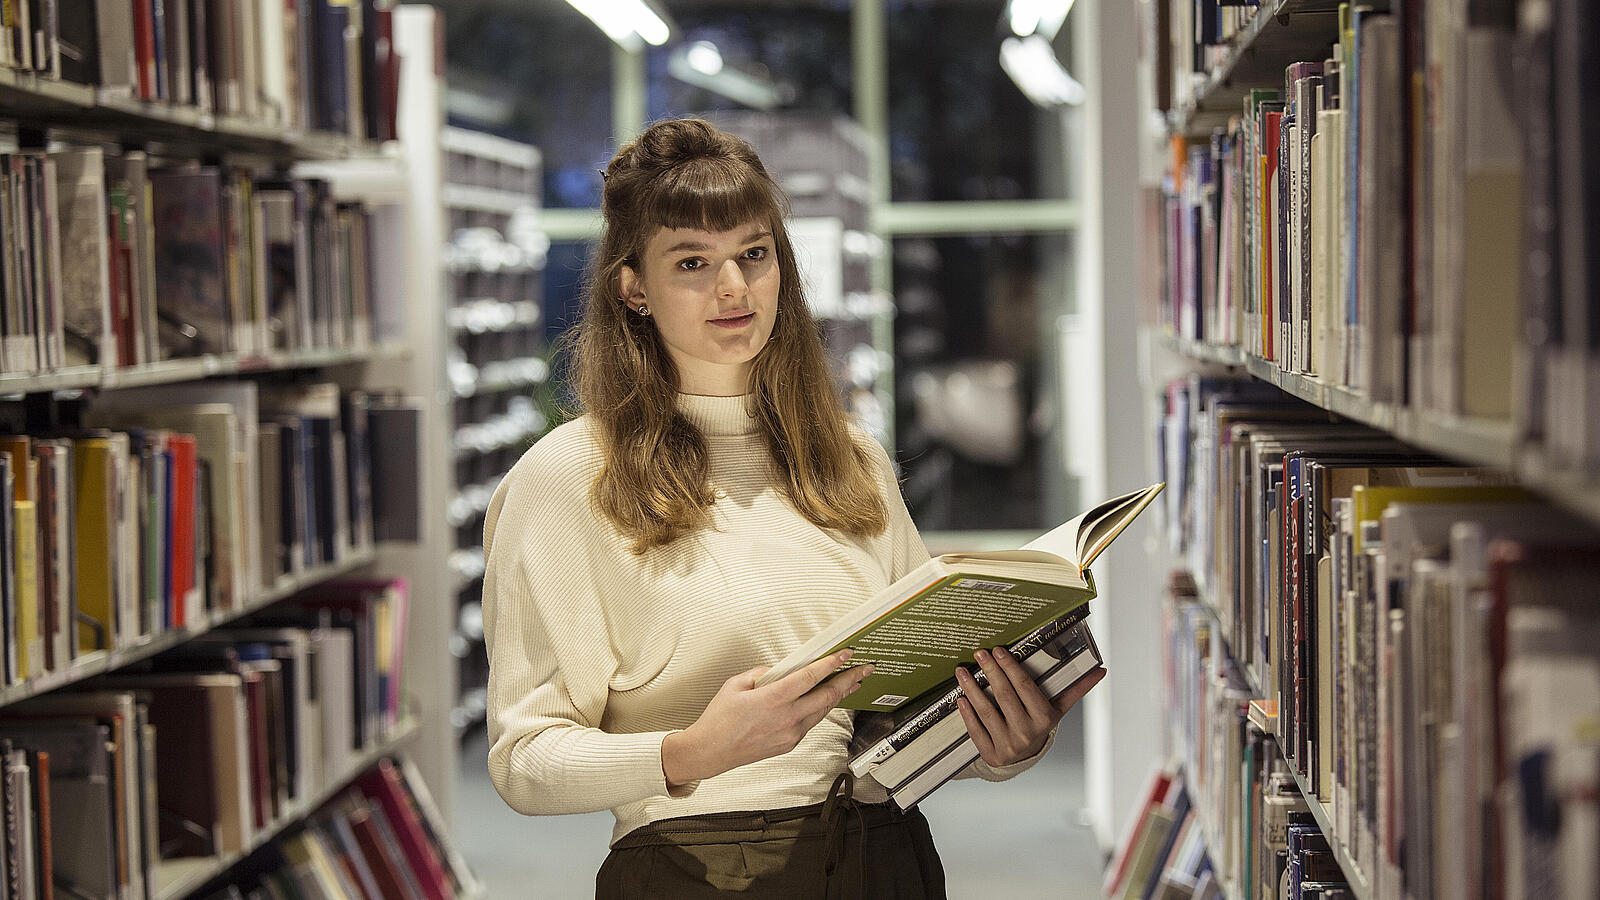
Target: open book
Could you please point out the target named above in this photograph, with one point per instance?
(916, 631)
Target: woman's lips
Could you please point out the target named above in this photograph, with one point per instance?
(737, 321)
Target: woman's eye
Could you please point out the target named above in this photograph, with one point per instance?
(691, 265)
(756, 253)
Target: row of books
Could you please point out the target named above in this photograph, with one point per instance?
(1164, 855)
(917, 748)
(381, 837)
(1164, 858)
(1386, 605)
(121, 259)
(319, 65)
(175, 505)
(1426, 247)
(1245, 794)
(196, 752)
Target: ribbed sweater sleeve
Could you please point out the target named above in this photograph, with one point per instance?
(548, 753)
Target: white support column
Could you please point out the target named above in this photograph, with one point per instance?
(1122, 715)
(430, 671)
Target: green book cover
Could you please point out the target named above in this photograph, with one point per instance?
(917, 630)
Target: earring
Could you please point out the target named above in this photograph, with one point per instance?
(644, 311)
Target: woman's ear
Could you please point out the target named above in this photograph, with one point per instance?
(630, 286)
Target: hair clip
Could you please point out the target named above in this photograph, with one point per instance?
(604, 175)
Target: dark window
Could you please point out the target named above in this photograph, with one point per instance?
(959, 129)
(537, 72)
(799, 52)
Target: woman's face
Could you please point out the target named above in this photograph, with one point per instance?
(713, 296)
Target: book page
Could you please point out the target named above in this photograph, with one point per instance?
(1083, 537)
(919, 646)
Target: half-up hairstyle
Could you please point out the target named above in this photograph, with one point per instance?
(686, 173)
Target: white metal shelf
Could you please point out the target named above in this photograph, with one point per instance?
(31, 97)
(174, 371)
(99, 662)
(485, 199)
(1282, 32)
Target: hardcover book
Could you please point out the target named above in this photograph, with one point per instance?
(915, 631)
(943, 749)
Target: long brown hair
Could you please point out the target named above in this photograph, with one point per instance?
(686, 173)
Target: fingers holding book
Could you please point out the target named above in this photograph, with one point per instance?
(744, 723)
(1012, 720)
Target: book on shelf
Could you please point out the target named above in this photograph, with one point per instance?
(129, 810)
(385, 785)
(356, 845)
(915, 631)
(75, 787)
(395, 440)
(174, 259)
(260, 62)
(140, 522)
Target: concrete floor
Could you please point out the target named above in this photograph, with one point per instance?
(1017, 840)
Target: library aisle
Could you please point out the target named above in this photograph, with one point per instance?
(1020, 839)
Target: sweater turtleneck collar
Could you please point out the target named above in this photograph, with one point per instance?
(718, 416)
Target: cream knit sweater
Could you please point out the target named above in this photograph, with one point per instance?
(597, 654)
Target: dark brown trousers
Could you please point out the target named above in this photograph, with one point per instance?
(839, 850)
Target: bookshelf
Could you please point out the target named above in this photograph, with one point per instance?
(821, 161)
(497, 364)
(369, 332)
(1357, 880)
(179, 878)
(1355, 271)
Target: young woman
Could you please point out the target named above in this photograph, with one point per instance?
(711, 510)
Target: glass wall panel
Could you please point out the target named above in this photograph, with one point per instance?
(959, 129)
(971, 351)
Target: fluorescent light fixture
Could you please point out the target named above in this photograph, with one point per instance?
(701, 65)
(703, 57)
(1038, 16)
(1033, 66)
(625, 21)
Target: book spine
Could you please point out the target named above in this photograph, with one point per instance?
(907, 732)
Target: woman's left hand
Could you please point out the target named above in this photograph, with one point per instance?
(1014, 725)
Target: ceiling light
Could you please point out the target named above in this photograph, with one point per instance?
(704, 57)
(1033, 66)
(701, 65)
(626, 21)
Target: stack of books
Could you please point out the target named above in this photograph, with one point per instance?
(915, 751)
(1033, 601)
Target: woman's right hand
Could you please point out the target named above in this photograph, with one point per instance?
(744, 723)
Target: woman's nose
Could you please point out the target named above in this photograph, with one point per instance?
(730, 280)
